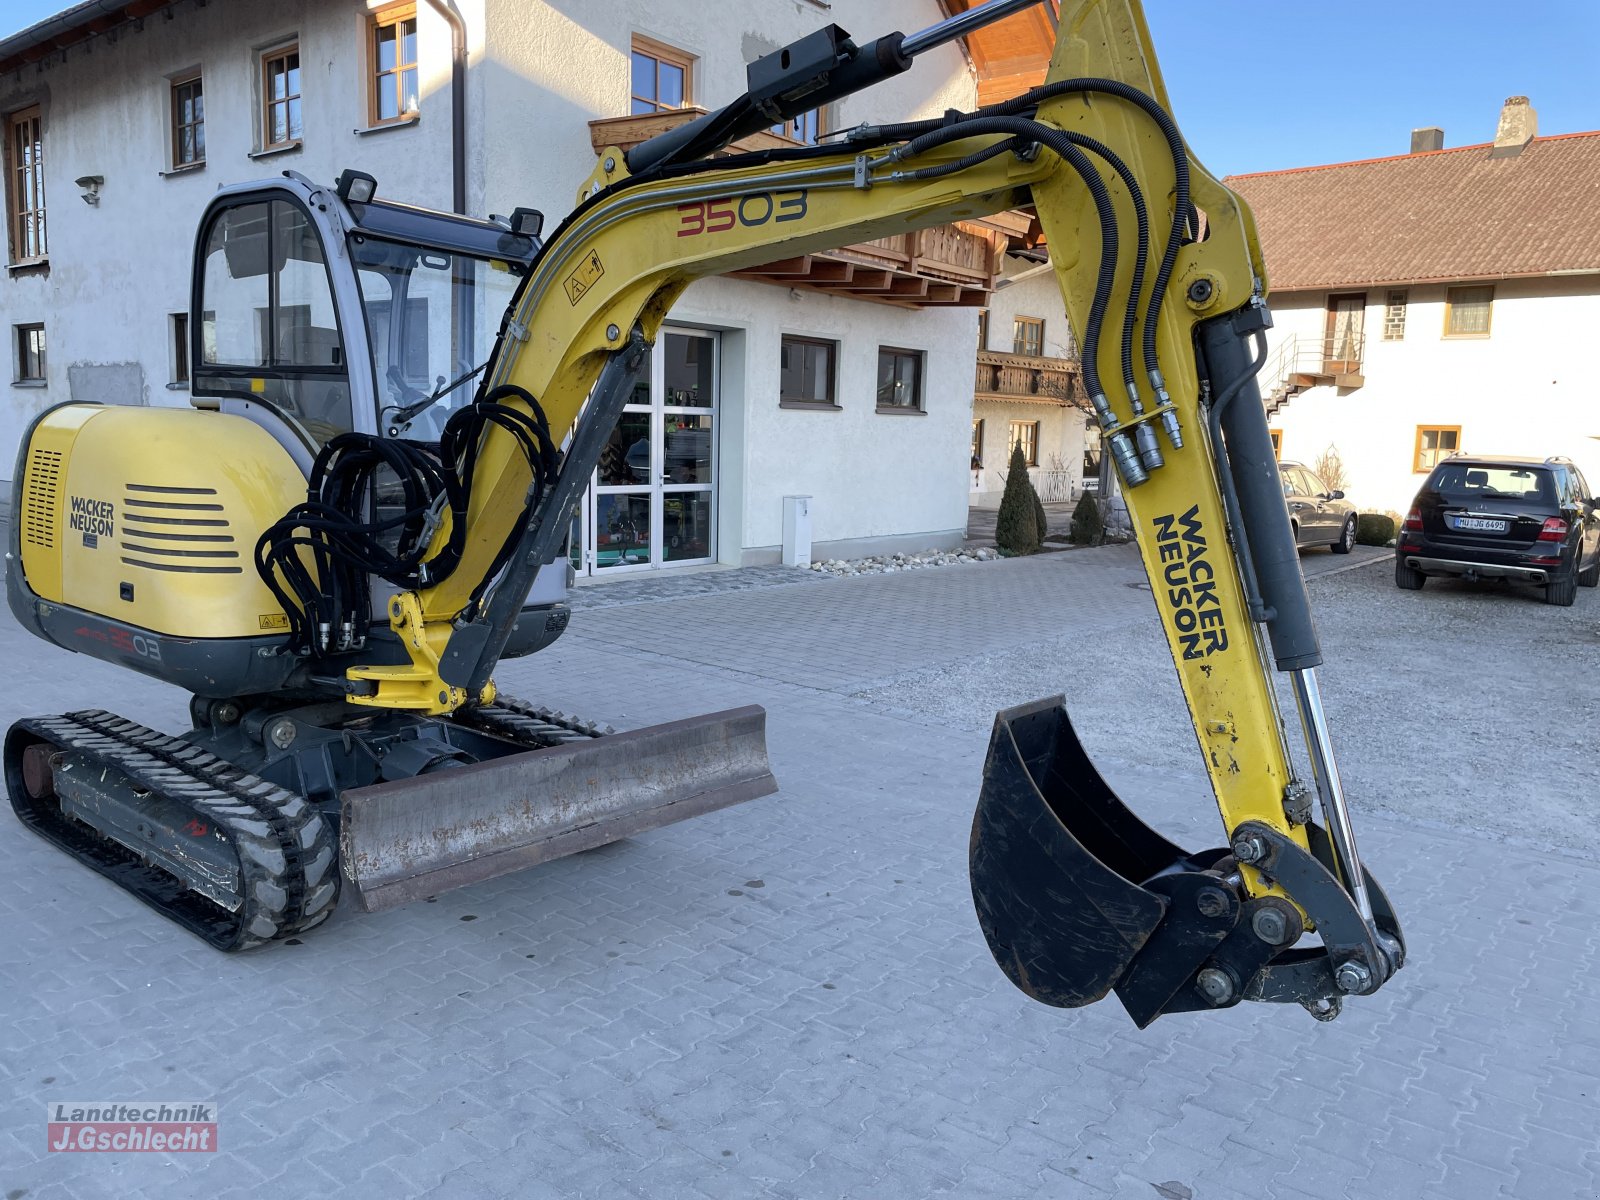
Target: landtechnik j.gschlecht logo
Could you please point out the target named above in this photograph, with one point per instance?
(128, 1127)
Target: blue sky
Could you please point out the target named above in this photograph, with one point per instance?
(1260, 85)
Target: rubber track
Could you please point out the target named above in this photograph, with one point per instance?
(529, 724)
(286, 854)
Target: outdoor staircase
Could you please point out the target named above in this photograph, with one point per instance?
(1300, 363)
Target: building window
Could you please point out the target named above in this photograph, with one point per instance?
(983, 329)
(1434, 444)
(807, 128)
(30, 353)
(1467, 311)
(280, 93)
(1091, 455)
(1026, 435)
(977, 444)
(806, 373)
(25, 185)
(1028, 336)
(394, 64)
(662, 77)
(1394, 317)
(188, 123)
(899, 379)
(1277, 442)
(180, 348)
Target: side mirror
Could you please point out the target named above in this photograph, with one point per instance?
(1336, 494)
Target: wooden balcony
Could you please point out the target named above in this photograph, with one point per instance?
(627, 132)
(946, 265)
(1014, 378)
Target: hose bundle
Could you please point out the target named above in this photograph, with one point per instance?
(319, 557)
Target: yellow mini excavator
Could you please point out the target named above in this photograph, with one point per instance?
(335, 545)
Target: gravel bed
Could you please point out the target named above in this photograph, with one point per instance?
(1467, 705)
(884, 564)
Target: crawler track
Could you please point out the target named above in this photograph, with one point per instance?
(284, 877)
(529, 724)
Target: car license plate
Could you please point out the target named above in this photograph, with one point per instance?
(1482, 524)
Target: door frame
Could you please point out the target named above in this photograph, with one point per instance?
(657, 489)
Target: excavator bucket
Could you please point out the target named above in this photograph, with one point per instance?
(1058, 863)
(419, 837)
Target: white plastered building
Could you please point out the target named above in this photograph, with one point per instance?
(121, 119)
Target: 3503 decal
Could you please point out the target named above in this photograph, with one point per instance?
(752, 211)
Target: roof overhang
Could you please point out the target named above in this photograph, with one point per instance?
(1354, 285)
(1012, 55)
(81, 22)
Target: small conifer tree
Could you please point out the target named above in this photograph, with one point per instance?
(1016, 528)
(1087, 527)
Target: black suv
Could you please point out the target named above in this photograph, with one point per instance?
(1526, 519)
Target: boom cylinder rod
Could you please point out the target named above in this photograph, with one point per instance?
(961, 24)
(1308, 699)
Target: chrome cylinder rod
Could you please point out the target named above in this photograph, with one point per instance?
(961, 24)
(1308, 699)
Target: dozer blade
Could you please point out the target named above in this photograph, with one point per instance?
(419, 837)
(1057, 863)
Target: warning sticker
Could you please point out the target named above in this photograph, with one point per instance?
(584, 278)
(274, 621)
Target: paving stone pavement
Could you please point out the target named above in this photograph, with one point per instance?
(790, 998)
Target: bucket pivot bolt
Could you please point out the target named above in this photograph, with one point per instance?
(1271, 926)
(1215, 985)
(1352, 977)
(1249, 848)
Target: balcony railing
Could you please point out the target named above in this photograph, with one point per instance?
(955, 264)
(1014, 377)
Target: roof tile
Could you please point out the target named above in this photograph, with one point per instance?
(1442, 215)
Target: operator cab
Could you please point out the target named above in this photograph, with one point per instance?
(317, 311)
(321, 311)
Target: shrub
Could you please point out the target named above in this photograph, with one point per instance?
(1088, 529)
(1016, 528)
(1040, 517)
(1330, 469)
(1374, 529)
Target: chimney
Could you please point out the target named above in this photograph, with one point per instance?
(1518, 126)
(1423, 140)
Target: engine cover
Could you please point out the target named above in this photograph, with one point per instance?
(148, 518)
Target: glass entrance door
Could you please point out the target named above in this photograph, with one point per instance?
(652, 500)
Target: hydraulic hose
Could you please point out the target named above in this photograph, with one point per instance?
(1057, 142)
(1180, 165)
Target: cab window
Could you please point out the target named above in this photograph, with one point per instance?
(268, 331)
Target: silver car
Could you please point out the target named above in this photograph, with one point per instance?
(1321, 516)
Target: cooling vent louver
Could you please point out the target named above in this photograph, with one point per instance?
(177, 529)
(41, 499)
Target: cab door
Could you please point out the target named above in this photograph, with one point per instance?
(271, 335)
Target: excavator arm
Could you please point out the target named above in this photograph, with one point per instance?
(1163, 277)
